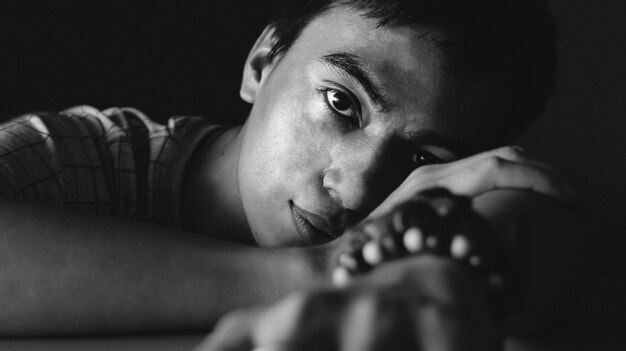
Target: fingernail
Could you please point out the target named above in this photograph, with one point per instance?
(412, 240)
(372, 253)
(460, 247)
(341, 277)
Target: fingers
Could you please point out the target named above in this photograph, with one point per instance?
(377, 323)
(266, 329)
(506, 167)
(373, 243)
(510, 153)
(442, 330)
(301, 322)
(498, 173)
(404, 232)
(462, 325)
(405, 307)
(503, 168)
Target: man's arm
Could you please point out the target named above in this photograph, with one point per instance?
(70, 272)
(424, 301)
(64, 272)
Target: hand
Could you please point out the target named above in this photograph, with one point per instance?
(440, 223)
(502, 168)
(506, 168)
(423, 303)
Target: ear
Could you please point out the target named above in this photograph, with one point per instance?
(257, 66)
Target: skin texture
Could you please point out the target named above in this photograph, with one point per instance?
(294, 149)
(425, 302)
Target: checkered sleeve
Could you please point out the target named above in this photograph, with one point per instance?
(115, 161)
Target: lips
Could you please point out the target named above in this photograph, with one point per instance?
(312, 228)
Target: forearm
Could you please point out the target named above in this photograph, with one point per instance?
(71, 272)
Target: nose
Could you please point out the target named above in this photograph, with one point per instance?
(360, 176)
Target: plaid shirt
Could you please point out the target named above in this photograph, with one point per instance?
(116, 161)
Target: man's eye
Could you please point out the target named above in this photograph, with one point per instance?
(423, 158)
(341, 103)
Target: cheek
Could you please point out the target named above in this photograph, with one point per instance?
(282, 154)
(283, 148)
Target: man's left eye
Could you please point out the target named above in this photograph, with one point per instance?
(424, 158)
(340, 102)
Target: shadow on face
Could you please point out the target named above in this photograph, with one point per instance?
(342, 118)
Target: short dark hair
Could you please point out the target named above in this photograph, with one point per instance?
(513, 40)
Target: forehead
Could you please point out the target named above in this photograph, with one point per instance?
(409, 70)
(396, 55)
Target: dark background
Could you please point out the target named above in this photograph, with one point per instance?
(164, 58)
(186, 58)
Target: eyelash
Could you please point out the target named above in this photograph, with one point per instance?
(351, 120)
(430, 159)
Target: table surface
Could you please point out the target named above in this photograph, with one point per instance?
(131, 343)
(597, 325)
(556, 340)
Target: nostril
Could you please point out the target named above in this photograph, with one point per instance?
(334, 195)
(330, 182)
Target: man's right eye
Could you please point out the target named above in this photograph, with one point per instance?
(341, 104)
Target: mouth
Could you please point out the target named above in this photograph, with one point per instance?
(313, 229)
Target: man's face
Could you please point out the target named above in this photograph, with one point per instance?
(343, 118)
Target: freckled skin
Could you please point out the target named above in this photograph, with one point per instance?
(293, 149)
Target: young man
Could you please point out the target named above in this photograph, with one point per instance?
(357, 106)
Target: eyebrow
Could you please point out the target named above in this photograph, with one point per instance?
(459, 147)
(352, 66)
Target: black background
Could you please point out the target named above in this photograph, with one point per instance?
(186, 58)
(165, 58)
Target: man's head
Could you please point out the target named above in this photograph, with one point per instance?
(350, 96)
(512, 40)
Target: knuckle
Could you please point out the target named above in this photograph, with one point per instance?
(494, 163)
(425, 170)
(418, 175)
(429, 168)
(510, 152)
